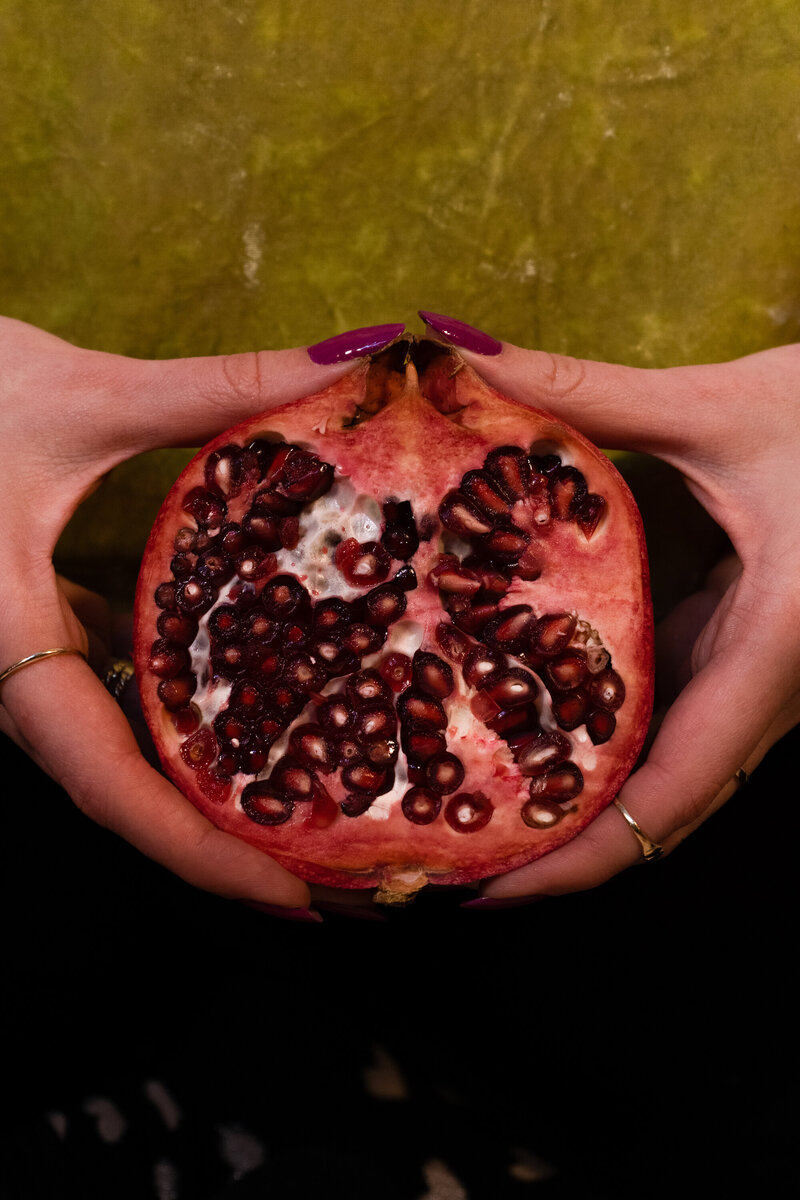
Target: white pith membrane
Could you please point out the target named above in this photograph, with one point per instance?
(339, 514)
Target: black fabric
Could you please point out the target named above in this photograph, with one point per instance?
(638, 1040)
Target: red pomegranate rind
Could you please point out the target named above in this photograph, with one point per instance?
(379, 458)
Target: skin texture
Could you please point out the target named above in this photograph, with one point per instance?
(732, 430)
(729, 656)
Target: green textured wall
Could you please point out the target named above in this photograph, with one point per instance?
(613, 180)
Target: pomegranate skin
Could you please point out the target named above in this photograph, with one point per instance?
(400, 434)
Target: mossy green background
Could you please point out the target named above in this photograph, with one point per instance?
(613, 180)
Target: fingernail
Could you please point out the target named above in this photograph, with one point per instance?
(489, 903)
(467, 337)
(356, 343)
(286, 914)
(357, 912)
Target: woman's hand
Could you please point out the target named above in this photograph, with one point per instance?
(67, 416)
(733, 651)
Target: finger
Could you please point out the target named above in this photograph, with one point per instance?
(88, 747)
(635, 408)
(722, 719)
(184, 402)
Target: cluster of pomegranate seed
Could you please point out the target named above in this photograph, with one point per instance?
(279, 653)
(514, 496)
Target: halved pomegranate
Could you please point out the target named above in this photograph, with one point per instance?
(398, 632)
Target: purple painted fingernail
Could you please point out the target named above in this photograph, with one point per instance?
(286, 914)
(462, 335)
(489, 903)
(356, 343)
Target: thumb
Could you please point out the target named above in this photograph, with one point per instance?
(621, 407)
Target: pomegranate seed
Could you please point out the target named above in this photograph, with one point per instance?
(569, 710)
(214, 784)
(366, 687)
(512, 721)
(589, 512)
(285, 597)
(540, 813)
(232, 728)
(472, 618)
(606, 690)
(186, 720)
(362, 563)
(229, 468)
(375, 721)
(332, 614)
(363, 777)
(509, 466)
(214, 567)
(264, 804)
(324, 809)
(567, 492)
(417, 708)
(181, 566)
(561, 783)
(336, 658)
(382, 753)
(567, 671)
(451, 577)
(302, 674)
(396, 671)
(480, 662)
(200, 749)
(444, 773)
(208, 510)
(551, 634)
(363, 639)
(252, 758)
(293, 779)
(356, 804)
(304, 476)
(262, 530)
(335, 716)
(453, 641)
(223, 622)
(384, 605)
(167, 659)
(270, 502)
(541, 752)
(468, 812)
(538, 502)
(263, 660)
(254, 563)
(421, 806)
(432, 675)
(481, 488)
(544, 464)
(229, 660)
(312, 748)
(510, 629)
(176, 693)
(349, 751)
(510, 688)
(194, 597)
(461, 516)
(399, 538)
(232, 539)
(421, 743)
(505, 544)
(406, 578)
(600, 725)
(185, 541)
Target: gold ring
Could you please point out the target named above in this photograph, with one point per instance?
(650, 849)
(741, 777)
(32, 658)
(118, 676)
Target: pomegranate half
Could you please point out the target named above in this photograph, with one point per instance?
(398, 632)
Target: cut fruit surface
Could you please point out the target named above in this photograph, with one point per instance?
(398, 632)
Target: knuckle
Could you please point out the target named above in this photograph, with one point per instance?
(563, 374)
(242, 376)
